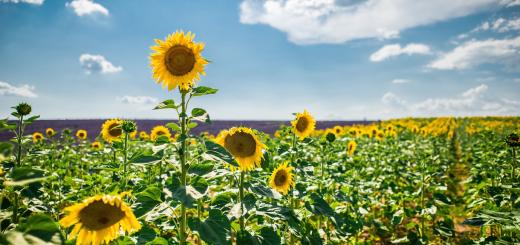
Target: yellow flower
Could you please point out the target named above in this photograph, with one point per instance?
(353, 132)
(303, 125)
(37, 137)
(177, 61)
(81, 134)
(50, 132)
(160, 131)
(143, 135)
(351, 147)
(243, 144)
(282, 179)
(99, 219)
(111, 130)
(96, 145)
(338, 130)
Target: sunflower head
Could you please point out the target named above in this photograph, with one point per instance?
(37, 137)
(303, 125)
(143, 135)
(99, 219)
(513, 140)
(282, 179)
(244, 145)
(353, 132)
(50, 132)
(351, 147)
(96, 145)
(160, 131)
(177, 61)
(81, 134)
(23, 109)
(111, 130)
(330, 136)
(338, 130)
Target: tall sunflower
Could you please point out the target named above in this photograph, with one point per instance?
(111, 130)
(177, 61)
(81, 134)
(282, 179)
(50, 132)
(244, 145)
(351, 147)
(37, 137)
(160, 131)
(303, 125)
(99, 219)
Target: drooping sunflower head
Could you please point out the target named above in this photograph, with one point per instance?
(282, 179)
(50, 132)
(351, 147)
(244, 145)
(303, 125)
(96, 145)
(99, 219)
(37, 137)
(177, 61)
(111, 130)
(81, 134)
(338, 130)
(160, 131)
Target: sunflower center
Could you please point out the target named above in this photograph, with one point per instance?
(240, 144)
(81, 134)
(179, 60)
(160, 133)
(302, 124)
(114, 130)
(280, 178)
(38, 136)
(99, 215)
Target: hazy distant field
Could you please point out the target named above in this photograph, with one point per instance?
(93, 126)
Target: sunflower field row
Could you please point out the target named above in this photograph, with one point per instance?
(410, 181)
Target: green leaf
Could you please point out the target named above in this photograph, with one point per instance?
(174, 126)
(201, 168)
(262, 190)
(25, 175)
(147, 200)
(38, 229)
(192, 125)
(167, 104)
(200, 184)
(268, 236)
(158, 241)
(200, 114)
(201, 90)
(214, 230)
(220, 153)
(145, 159)
(30, 120)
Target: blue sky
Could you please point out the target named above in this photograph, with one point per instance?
(342, 59)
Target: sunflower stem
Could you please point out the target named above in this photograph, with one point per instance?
(241, 196)
(125, 160)
(182, 152)
(19, 140)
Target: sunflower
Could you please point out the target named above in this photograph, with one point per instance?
(111, 130)
(96, 145)
(353, 132)
(303, 125)
(99, 219)
(338, 130)
(37, 137)
(81, 134)
(177, 61)
(282, 179)
(351, 147)
(160, 131)
(50, 132)
(243, 144)
(143, 135)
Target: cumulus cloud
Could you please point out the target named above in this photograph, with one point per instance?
(86, 7)
(476, 52)
(97, 64)
(401, 81)
(138, 100)
(499, 25)
(470, 102)
(392, 50)
(22, 90)
(334, 21)
(35, 2)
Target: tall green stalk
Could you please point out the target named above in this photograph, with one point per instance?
(241, 196)
(125, 160)
(183, 152)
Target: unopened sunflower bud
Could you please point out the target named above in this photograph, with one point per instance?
(513, 140)
(129, 126)
(23, 109)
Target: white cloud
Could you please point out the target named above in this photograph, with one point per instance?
(335, 21)
(97, 64)
(499, 25)
(87, 7)
(22, 90)
(391, 50)
(476, 52)
(35, 2)
(401, 81)
(471, 102)
(138, 100)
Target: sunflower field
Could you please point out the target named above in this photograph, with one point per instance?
(404, 181)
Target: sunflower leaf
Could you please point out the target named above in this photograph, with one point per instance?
(220, 153)
(167, 104)
(213, 230)
(201, 90)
